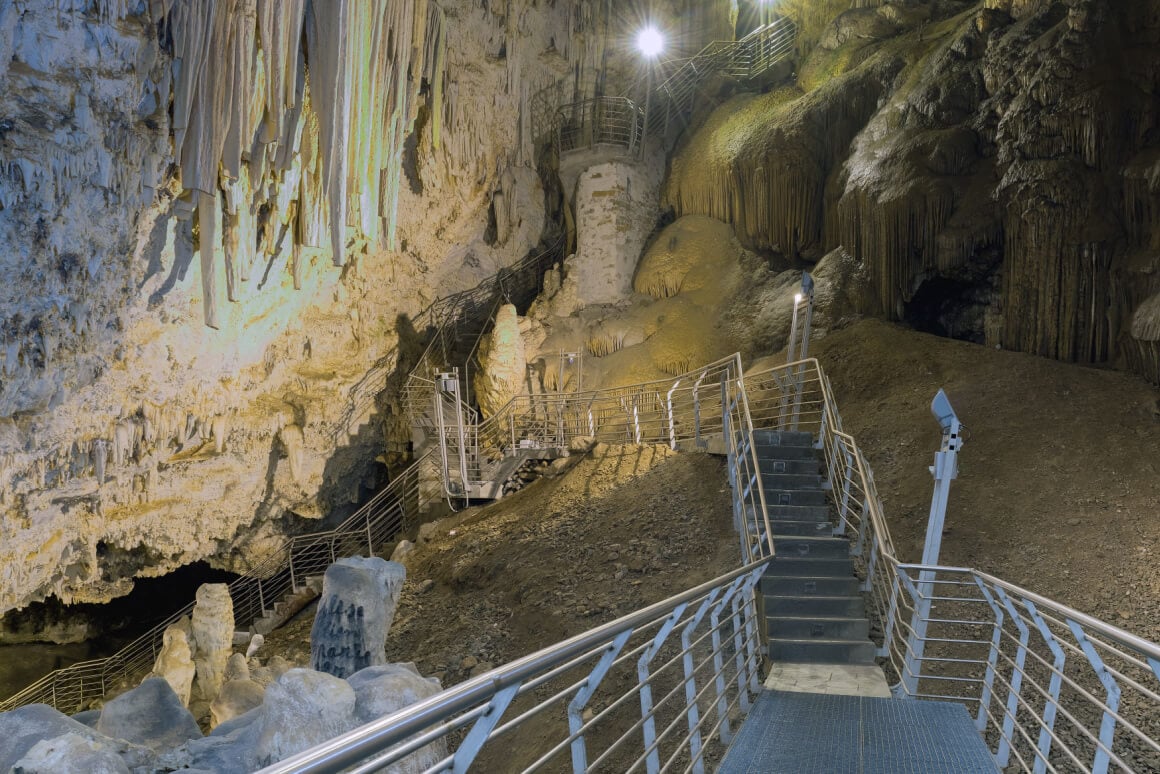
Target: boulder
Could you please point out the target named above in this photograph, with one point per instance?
(302, 709)
(404, 549)
(381, 690)
(22, 728)
(236, 698)
(151, 715)
(237, 668)
(358, 602)
(213, 635)
(175, 662)
(70, 752)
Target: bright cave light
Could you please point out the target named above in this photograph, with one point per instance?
(797, 298)
(650, 42)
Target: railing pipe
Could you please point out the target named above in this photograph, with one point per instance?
(353, 746)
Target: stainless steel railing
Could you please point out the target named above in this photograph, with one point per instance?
(283, 570)
(1052, 689)
(658, 689)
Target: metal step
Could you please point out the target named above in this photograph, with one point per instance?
(785, 528)
(766, 451)
(805, 586)
(783, 437)
(834, 567)
(828, 547)
(794, 466)
(791, 481)
(827, 651)
(775, 496)
(797, 512)
(827, 607)
(817, 627)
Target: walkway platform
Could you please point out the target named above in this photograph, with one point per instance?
(807, 733)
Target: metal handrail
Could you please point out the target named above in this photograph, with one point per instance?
(567, 112)
(1026, 662)
(395, 729)
(283, 570)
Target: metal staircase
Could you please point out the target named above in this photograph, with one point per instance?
(576, 115)
(814, 610)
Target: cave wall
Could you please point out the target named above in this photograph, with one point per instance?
(214, 215)
(1005, 147)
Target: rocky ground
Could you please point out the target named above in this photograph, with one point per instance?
(1058, 488)
(625, 527)
(1057, 491)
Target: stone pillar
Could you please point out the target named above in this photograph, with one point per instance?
(503, 363)
(213, 636)
(355, 611)
(616, 205)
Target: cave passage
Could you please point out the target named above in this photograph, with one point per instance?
(109, 627)
(949, 308)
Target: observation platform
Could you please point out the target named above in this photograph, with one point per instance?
(814, 733)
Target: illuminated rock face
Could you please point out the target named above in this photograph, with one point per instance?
(178, 350)
(1003, 153)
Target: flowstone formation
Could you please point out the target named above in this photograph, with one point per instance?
(184, 372)
(991, 167)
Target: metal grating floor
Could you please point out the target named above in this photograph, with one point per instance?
(827, 734)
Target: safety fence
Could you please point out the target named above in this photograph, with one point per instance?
(1052, 689)
(453, 320)
(282, 572)
(657, 690)
(575, 115)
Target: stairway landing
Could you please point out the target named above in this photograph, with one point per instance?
(808, 733)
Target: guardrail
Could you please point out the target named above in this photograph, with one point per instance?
(1050, 686)
(284, 569)
(660, 688)
(575, 116)
(709, 403)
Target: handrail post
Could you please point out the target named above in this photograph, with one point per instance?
(669, 408)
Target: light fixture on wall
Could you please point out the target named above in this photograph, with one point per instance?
(650, 42)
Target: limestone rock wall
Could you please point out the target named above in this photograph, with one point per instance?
(178, 348)
(1000, 152)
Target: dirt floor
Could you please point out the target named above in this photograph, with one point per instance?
(1058, 486)
(624, 527)
(1058, 491)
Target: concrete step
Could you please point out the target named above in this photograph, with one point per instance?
(804, 586)
(795, 466)
(817, 605)
(783, 437)
(775, 496)
(791, 481)
(817, 627)
(822, 651)
(828, 547)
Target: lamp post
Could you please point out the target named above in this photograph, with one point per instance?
(650, 42)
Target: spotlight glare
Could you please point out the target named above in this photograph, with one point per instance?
(650, 42)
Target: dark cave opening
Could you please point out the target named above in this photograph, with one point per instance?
(950, 308)
(49, 635)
